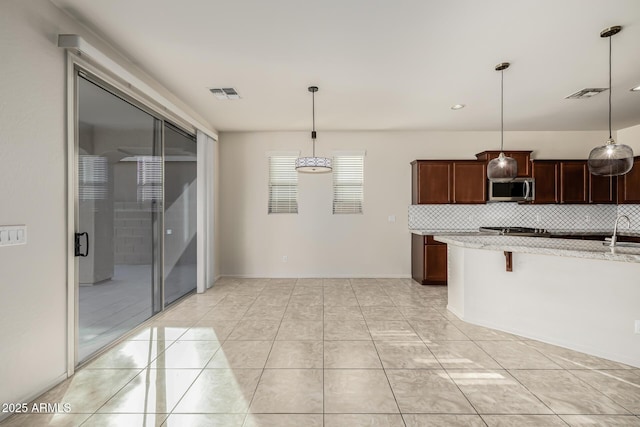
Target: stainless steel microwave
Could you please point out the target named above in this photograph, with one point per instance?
(516, 190)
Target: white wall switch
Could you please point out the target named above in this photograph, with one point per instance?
(13, 235)
(392, 218)
(637, 326)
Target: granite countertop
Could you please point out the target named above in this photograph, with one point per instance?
(555, 232)
(589, 249)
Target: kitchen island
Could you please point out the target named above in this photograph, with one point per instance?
(573, 293)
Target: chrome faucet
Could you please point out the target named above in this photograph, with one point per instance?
(615, 229)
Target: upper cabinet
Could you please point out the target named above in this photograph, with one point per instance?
(469, 181)
(603, 189)
(629, 184)
(556, 181)
(574, 181)
(448, 181)
(431, 182)
(546, 174)
(523, 158)
(569, 181)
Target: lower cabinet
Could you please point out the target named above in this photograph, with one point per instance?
(428, 260)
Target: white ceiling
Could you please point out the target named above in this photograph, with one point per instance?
(382, 65)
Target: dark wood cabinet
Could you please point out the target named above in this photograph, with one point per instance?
(469, 182)
(546, 173)
(523, 158)
(574, 181)
(431, 182)
(448, 181)
(629, 184)
(428, 260)
(603, 189)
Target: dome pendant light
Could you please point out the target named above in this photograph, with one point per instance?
(313, 164)
(502, 169)
(610, 159)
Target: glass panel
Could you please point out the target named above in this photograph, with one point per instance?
(119, 198)
(180, 250)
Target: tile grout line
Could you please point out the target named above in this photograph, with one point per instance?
(384, 370)
(270, 350)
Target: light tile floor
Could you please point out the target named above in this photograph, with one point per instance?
(336, 352)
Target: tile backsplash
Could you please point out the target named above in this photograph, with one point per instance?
(552, 217)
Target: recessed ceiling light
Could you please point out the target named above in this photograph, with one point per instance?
(635, 89)
(457, 107)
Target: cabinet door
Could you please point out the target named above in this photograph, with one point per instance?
(435, 264)
(469, 182)
(432, 184)
(629, 184)
(546, 176)
(574, 176)
(603, 189)
(417, 257)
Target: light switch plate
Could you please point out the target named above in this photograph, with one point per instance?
(11, 235)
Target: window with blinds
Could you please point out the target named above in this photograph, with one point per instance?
(348, 184)
(283, 184)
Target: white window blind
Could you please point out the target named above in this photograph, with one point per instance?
(348, 184)
(93, 177)
(149, 178)
(283, 184)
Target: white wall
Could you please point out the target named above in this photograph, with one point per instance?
(32, 189)
(318, 243)
(631, 137)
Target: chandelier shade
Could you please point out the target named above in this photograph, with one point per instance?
(502, 169)
(313, 164)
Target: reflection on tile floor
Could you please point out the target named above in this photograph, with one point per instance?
(336, 352)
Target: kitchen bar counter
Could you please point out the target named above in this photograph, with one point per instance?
(555, 232)
(591, 249)
(566, 292)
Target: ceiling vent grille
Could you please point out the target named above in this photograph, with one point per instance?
(586, 93)
(225, 93)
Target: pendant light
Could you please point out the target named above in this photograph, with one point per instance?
(503, 168)
(610, 159)
(313, 164)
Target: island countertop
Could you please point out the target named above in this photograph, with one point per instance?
(589, 249)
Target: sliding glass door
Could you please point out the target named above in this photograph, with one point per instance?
(135, 218)
(119, 170)
(180, 251)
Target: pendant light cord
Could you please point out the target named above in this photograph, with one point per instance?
(610, 87)
(501, 110)
(313, 113)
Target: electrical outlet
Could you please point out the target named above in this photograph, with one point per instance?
(637, 326)
(587, 218)
(392, 218)
(285, 258)
(538, 219)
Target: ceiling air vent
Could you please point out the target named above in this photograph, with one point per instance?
(586, 93)
(225, 93)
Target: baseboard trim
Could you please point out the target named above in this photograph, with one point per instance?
(31, 397)
(316, 276)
